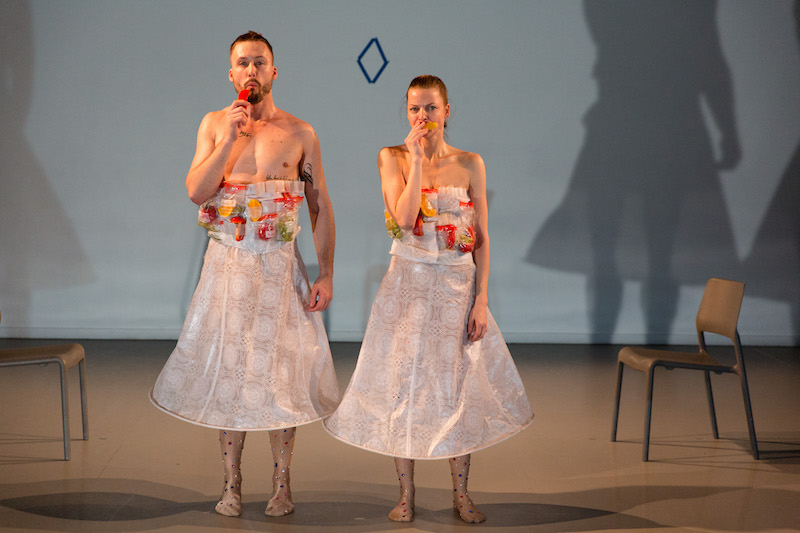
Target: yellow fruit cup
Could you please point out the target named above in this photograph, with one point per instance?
(256, 210)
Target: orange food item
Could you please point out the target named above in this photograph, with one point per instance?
(226, 208)
(431, 125)
(255, 209)
(427, 207)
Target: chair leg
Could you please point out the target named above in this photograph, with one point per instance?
(84, 410)
(620, 368)
(647, 415)
(711, 409)
(748, 409)
(65, 407)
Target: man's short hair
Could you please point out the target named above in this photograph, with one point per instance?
(253, 36)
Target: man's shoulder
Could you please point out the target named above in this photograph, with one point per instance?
(212, 118)
(297, 125)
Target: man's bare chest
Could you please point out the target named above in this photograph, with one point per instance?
(270, 153)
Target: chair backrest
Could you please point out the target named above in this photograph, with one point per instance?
(719, 308)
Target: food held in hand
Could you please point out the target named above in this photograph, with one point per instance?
(418, 226)
(465, 240)
(395, 232)
(446, 235)
(255, 209)
(426, 207)
(431, 125)
(240, 227)
(243, 94)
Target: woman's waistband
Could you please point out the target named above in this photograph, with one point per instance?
(432, 256)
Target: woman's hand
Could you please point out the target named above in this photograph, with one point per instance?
(476, 323)
(414, 139)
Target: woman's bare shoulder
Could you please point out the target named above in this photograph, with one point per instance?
(393, 151)
(398, 154)
(469, 160)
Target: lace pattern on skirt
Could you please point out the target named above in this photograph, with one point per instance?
(420, 389)
(250, 356)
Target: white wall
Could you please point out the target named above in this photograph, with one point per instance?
(101, 101)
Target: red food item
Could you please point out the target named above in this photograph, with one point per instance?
(240, 227)
(418, 226)
(266, 230)
(466, 241)
(288, 201)
(208, 214)
(243, 94)
(448, 233)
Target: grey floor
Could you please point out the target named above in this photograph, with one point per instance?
(142, 470)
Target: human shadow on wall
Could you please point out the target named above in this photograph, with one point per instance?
(39, 247)
(773, 266)
(645, 201)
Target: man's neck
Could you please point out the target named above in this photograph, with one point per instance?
(264, 110)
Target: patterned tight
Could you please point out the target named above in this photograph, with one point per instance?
(462, 503)
(231, 445)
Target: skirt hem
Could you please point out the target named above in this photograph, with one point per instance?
(213, 426)
(449, 456)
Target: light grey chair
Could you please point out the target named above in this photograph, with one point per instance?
(66, 356)
(719, 314)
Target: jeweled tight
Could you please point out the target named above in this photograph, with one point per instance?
(282, 443)
(404, 511)
(462, 503)
(231, 445)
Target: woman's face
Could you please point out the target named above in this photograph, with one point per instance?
(427, 105)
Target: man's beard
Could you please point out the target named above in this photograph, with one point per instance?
(258, 95)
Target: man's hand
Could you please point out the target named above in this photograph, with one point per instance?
(321, 294)
(237, 116)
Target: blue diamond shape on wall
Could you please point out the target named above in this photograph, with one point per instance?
(372, 59)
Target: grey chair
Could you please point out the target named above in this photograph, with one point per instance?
(66, 356)
(719, 314)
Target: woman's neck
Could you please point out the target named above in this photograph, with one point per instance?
(434, 148)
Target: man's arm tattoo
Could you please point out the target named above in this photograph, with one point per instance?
(306, 174)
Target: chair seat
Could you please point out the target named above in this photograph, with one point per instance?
(718, 314)
(69, 354)
(643, 359)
